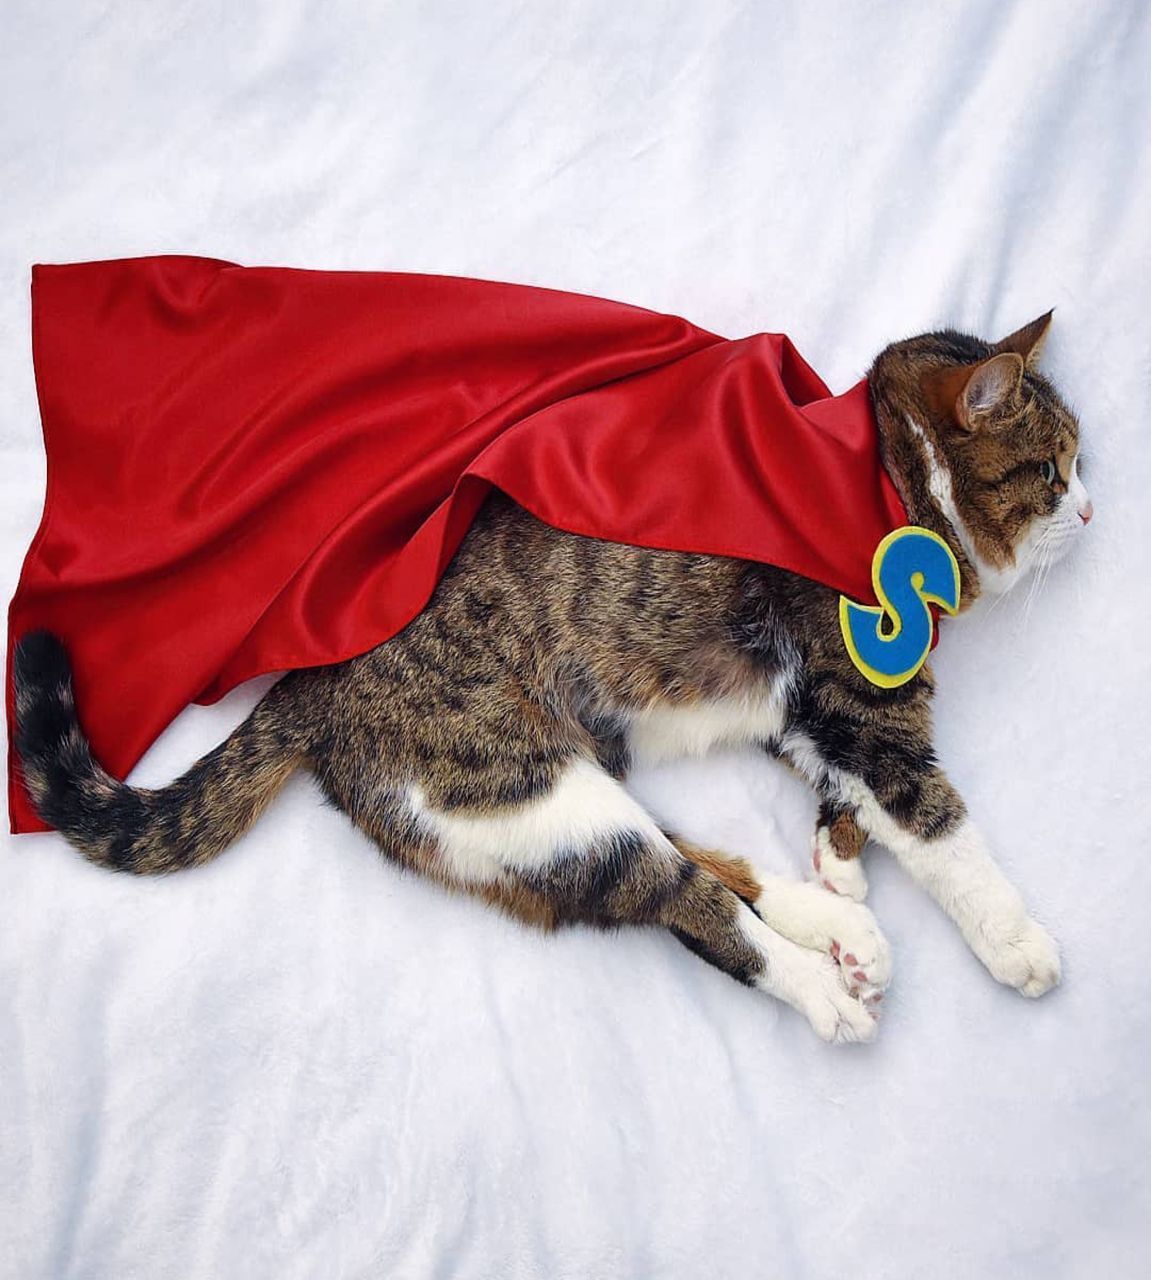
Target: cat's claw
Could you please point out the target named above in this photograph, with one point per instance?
(844, 876)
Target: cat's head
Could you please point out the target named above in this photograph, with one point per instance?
(983, 450)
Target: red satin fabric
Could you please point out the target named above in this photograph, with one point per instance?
(252, 469)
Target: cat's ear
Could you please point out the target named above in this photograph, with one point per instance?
(990, 391)
(973, 397)
(1027, 342)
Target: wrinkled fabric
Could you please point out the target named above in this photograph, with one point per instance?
(254, 469)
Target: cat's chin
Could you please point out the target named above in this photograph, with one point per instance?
(1056, 543)
(996, 581)
(1042, 549)
(1052, 557)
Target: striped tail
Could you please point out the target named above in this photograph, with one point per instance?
(127, 828)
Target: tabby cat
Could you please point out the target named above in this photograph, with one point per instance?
(486, 745)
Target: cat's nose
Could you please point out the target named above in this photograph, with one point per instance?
(1086, 511)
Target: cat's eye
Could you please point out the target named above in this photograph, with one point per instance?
(1047, 470)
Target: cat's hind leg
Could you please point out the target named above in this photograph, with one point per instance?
(721, 928)
(805, 913)
(590, 853)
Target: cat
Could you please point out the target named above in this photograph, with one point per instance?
(486, 745)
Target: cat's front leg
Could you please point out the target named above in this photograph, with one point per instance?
(924, 823)
(836, 849)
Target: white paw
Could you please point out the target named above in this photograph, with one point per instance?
(813, 985)
(841, 875)
(1022, 955)
(845, 930)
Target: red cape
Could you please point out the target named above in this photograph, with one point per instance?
(252, 469)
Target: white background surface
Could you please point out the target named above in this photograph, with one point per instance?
(295, 1063)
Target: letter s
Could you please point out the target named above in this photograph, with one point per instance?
(912, 568)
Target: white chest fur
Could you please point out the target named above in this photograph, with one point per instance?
(665, 732)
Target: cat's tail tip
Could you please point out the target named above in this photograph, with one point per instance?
(45, 706)
(146, 832)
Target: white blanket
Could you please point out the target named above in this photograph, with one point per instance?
(298, 1063)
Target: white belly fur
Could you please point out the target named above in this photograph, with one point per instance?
(669, 733)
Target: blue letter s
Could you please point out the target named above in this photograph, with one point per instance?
(912, 568)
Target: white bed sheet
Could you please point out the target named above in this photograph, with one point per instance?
(296, 1063)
